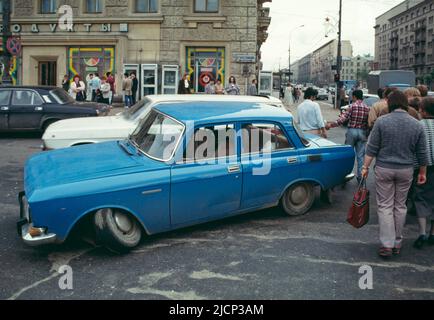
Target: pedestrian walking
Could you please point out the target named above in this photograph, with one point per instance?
(288, 96)
(134, 88)
(66, 85)
(394, 141)
(95, 86)
(78, 89)
(423, 90)
(127, 85)
(357, 134)
(309, 114)
(184, 86)
(253, 88)
(210, 87)
(232, 89)
(111, 82)
(423, 197)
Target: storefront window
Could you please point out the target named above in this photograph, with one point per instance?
(146, 6)
(206, 5)
(48, 6)
(86, 60)
(204, 65)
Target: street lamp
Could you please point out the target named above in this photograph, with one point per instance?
(289, 51)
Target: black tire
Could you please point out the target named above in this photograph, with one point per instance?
(116, 230)
(327, 196)
(298, 199)
(47, 124)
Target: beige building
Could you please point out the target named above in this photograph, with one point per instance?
(157, 39)
(357, 68)
(404, 38)
(324, 58)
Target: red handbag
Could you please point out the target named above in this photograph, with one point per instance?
(358, 215)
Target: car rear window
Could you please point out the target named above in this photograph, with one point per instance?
(61, 96)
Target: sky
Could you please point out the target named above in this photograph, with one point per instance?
(358, 21)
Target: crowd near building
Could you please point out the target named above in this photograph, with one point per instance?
(404, 39)
(159, 40)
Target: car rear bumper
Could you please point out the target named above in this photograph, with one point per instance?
(29, 234)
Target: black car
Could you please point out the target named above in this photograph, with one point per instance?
(34, 108)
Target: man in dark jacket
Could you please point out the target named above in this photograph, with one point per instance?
(135, 87)
(184, 86)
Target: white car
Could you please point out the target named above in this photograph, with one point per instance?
(79, 131)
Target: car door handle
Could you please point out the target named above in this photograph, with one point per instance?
(234, 169)
(39, 109)
(292, 160)
(4, 108)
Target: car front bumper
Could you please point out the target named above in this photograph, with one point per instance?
(29, 234)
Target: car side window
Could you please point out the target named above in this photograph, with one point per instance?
(26, 98)
(263, 137)
(4, 97)
(211, 142)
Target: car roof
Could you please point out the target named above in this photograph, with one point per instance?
(212, 112)
(30, 87)
(208, 97)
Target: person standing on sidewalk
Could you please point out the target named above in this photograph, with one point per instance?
(210, 87)
(309, 115)
(134, 88)
(232, 88)
(424, 194)
(66, 85)
(253, 88)
(394, 142)
(111, 82)
(127, 85)
(357, 134)
(184, 86)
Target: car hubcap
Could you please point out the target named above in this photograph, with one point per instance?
(123, 222)
(298, 195)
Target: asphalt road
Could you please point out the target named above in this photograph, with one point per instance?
(264, 255)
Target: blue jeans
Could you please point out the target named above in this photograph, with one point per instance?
(128, 101)
(357, 138)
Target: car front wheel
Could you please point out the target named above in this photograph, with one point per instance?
(298, 199)
(116, 230)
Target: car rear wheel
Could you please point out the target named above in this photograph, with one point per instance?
(116, 230)
(298, 199)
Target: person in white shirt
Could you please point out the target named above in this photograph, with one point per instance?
(309, 115)
(78, 89)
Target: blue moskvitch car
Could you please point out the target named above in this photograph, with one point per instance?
(186, 164)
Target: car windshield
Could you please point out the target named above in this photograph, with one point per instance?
(135, 111)
(61, 96)
(300, 134)
(157, 136)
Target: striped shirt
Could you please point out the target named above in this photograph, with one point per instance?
(428, 125)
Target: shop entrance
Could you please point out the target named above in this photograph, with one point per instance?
(47, 73)
(204, 65)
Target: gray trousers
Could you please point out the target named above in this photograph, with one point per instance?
(392, 189)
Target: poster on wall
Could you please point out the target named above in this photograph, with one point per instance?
(205, 65)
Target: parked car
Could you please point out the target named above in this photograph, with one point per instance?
(368, 99)
(74, 132)
(29, 108)
(322, 94)
(185, 164)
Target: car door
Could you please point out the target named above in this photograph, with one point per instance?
(26, 110)
(5, 96)
(207, 182)
(269, 163)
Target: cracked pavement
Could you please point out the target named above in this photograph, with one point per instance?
(262, 255)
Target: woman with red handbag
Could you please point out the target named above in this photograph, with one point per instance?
(394, 141)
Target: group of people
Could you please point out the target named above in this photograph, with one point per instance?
(97, 89)
(291, 95)
(102, 89)
(398, 132)
(216, 87)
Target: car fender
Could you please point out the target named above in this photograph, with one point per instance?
(95, 209)
(293, 182)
